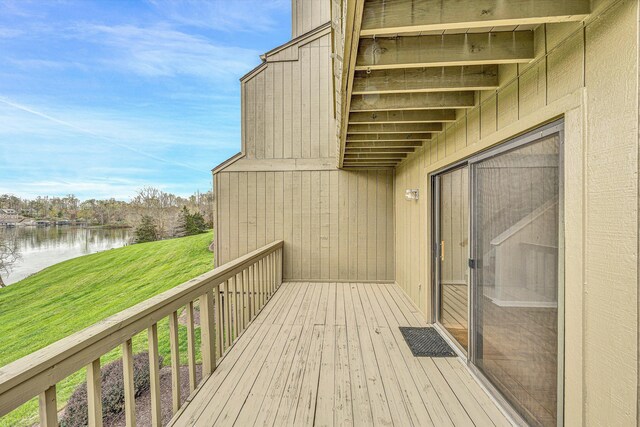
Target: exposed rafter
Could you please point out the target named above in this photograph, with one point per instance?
(351, 150)
(395, 128)
(439, 79)
(415, 116)
(400, 16)
(445, 50)
(412, 101)
(385, 144)
(388, 137)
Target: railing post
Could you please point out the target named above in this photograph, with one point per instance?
(129, 389)
(191, 347)
(154, 376)
(48, 407)
(175, 361)
(226, 304)
(207, 325)
(94, 393)
(219, 331)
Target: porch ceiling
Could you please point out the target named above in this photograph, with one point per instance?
(409, 66)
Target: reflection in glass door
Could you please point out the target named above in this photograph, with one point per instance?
(453, 252)
(515, 243)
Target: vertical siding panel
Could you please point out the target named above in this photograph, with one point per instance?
(315, 194)
(233, 213)
(278, 109)
(278, 205)
(314, 99)
(287, 99)
(372, 234)
(343, 224)
(325, 224)
(259, 112)
(305, 99)
(242, 213)
(296, 108)
(306, 223)
(261, 237)
(297, 247)
(269, 208)
(250, 120)
(334, 225)
(381, 226)
(252, 213)
(269, 75)
(223, 219)
(352, 221)
(288, 224)
(361, 195)
(325, 96)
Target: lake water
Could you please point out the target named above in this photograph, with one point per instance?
(41, 247)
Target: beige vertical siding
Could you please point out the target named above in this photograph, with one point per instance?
(336, 225)
(286, 106)
(309, 14)
(601, 179)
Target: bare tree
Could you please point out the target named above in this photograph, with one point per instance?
(9, 254)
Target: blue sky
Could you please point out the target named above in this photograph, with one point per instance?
(99, 98)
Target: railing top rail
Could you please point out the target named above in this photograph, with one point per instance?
(34, 373)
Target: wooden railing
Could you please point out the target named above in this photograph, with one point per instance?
(230, 296)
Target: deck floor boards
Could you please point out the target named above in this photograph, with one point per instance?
(331, 354)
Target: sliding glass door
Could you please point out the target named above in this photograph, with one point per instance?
(452, 231)
(497, 271)
(515, 243)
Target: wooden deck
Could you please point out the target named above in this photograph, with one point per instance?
(332, 354)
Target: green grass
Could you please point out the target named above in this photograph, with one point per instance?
(75, 294)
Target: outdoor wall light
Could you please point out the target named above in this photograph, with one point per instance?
(411, 194)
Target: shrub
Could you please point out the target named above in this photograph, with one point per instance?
(146, 231)
(76, 414)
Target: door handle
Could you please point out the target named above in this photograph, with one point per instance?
(442, 250)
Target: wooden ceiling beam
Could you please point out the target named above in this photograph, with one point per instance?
(388, 137)
(439, 79)
(355, 129)
(370, 156)
(384, 144)
(413, 101)
(399, 16)
(352, 150)
(445, 50)
(410, 116)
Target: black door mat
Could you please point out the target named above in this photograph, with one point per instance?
(426, 342)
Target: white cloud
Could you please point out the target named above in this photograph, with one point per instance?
(165, 52)
(223, 15)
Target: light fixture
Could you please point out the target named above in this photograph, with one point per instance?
(411, 194)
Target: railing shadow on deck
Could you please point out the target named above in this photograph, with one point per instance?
(230, 297)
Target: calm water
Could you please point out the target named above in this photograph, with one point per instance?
(41, 247)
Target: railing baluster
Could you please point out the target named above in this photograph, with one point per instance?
(175, 361)
(48, 407)
(236, 317)
(94, 393)
(129, 390)
(154, 375)
(218, 320)
(208, 327)
(191, 347)
(254, 290)
(245, 291)
(226, 304)
(260, 284)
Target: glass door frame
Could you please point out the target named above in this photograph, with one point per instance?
(556, 126)
(437, 253)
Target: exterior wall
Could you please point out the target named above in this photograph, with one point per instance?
(287, 107)
(589, 75)
(336, 225)
(308, 14)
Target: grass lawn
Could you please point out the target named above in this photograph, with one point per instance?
(75, 294)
